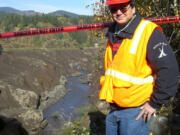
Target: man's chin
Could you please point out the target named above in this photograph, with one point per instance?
(121, 22)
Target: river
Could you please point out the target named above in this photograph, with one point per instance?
(65, 109)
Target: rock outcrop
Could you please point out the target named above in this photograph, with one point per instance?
(30, 81)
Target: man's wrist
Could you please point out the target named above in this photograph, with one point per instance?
(154, 105)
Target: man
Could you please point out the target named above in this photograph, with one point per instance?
(141, 71)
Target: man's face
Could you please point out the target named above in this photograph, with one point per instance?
(122, 13)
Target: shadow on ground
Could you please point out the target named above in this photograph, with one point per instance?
(97, 124)
(11, 126)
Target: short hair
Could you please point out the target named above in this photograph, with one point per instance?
(132, 3)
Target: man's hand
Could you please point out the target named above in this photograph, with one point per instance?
(146, 112)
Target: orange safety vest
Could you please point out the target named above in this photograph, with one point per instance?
(128, 79)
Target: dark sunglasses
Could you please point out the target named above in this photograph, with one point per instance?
(122, 8)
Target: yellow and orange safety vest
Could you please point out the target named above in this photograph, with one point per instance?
(128, 79)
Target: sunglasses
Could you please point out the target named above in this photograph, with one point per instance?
(122, 8)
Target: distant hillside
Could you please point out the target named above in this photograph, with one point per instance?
(19, 12)
(62, 13)
(9, 10)
(31, 12)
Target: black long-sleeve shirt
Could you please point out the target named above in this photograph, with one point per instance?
(159, 55)
(163, 62)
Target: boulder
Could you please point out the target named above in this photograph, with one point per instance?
(32, 121)
(27, 99)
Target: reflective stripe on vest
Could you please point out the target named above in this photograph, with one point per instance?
(138, 37)
(128, 78)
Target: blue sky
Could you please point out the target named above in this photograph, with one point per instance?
(46, 6)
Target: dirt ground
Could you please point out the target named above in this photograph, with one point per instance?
(20, 68)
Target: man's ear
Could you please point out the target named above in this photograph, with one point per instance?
(134, 10)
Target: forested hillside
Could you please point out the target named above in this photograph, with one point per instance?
(14, 22)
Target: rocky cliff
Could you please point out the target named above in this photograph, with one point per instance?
(32, 80)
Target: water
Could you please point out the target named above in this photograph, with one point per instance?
(65, 109)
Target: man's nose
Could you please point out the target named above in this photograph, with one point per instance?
(119, 11)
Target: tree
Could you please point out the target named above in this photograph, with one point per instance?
(13, 22)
